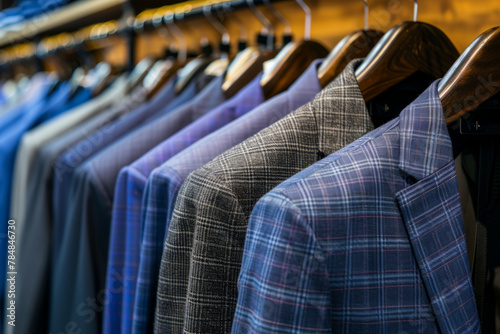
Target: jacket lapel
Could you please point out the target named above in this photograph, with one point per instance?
(433, 217)
(431, 210)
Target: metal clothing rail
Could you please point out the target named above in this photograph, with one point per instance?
(150, 19)
(129, 25)
(72, 17)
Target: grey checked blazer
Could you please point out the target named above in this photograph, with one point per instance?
(197, 289)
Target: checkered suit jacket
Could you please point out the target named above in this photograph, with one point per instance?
(369, 240)
(197, 286)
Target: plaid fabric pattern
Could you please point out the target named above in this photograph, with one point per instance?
(204, 245)
(165, 181)
(81, 267)
(125, 226)
(370, 239)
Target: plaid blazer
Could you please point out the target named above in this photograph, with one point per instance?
(369, 240)
(205, 240)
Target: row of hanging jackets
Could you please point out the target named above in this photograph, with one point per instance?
(307, 207)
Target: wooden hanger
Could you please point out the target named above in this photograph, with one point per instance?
(161, 72)
(281, 72)
(245, 67)
(194, 66)
(219, 66)
(102, 74)
(289, 64)
(174, 59)
(249, 62)
(408, 48)
(188, 72)
(139, 72)
(469, 81)
(356, 45)
(166, 72)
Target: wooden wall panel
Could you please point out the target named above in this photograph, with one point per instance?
(461, 20)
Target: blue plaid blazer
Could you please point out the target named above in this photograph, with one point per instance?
(368, 240)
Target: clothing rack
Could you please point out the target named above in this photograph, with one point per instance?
(309, 186)
(70, 18)
(20, 47)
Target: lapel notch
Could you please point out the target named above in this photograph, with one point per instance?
(431, 210)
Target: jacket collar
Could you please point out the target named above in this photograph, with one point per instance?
(425, 142)
(250, 95)
(340, 111)
(305, 88)
(431, 211)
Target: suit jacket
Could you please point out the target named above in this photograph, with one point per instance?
(36, 236)
(81, 268)
(36, 92)
(39, 112)
(116, 122)
(370, 239)
(21, 98)
(206, 236)
(35, 139)
(126, 219)
(125, 117)
(165, 181)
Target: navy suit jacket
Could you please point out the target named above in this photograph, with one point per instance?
(368, 240)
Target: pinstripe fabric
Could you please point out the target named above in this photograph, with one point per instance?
(165, 181)
(207, 232)
(125, 226)
(370, 239)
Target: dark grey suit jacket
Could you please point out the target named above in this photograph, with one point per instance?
(197, 289)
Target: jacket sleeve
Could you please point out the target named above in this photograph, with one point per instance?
(283, 283)
(203, 199)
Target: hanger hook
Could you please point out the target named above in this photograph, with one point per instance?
(366, 14)
(226, 7)
(415, 10)
(169, 19)
(163, 31)
(207, 11)
(279, 16)
(266, 24)
(307, 11)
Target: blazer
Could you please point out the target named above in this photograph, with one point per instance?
(125, 116)
(81, 267)
(204, 245)
(33, 140)
(370, 239)
(37, 238)
(165, 181)
(124, 248)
